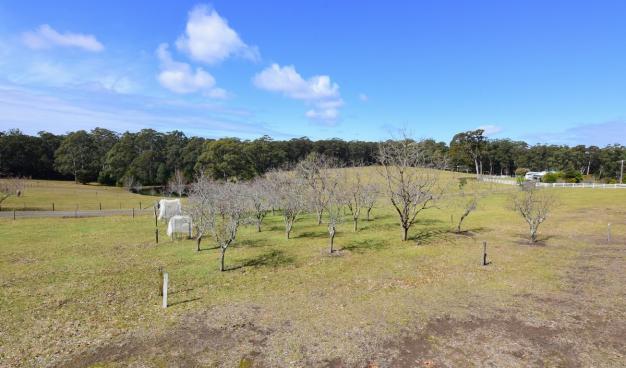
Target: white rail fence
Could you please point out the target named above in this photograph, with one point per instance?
(500, 180)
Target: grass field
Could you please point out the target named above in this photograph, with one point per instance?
(84, 292)
(66, 196)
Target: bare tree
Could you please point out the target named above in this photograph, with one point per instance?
(177, 183)
(467, 202)
(201, 200)
(227, 215)
(11, 187)
(315, 170)
(288, 194)
(334, 208)
(370, 194)
(534, 205)
(410, 187)
(354, 195)
(132, 184)
(257, 193)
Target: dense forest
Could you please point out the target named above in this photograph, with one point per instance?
(151, 158)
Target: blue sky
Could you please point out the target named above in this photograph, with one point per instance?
(541, 71)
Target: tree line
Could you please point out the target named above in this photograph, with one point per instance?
(149, 157)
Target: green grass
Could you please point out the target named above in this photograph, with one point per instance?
(67, 284)
(66, 196)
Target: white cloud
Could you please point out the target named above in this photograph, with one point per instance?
(46, 37)
(363, 97)
(209, 38)
(490, 129)
(180, 78)
(317, 91)
(62, 110)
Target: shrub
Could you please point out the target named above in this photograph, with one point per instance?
(521, 171)
(572, 176)
(550, 178)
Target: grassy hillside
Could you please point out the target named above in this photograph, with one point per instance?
(66, 195)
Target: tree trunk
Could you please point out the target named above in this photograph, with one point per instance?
(222, 269)
(319, 217)
(368, 214)
(356, 220)
(198, 240)
(533, 234)
(458, 228)
(331, 240)
(258, 226)
(405, 233)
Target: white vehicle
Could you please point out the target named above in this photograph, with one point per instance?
(535, 175)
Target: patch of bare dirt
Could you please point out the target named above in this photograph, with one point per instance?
(196, 341)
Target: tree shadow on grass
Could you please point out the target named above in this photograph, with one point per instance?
(361, 246)
(312, 234)
(430, 236)
(273, 258)
(524, 239)
(252, 243)
(468, 232)
(208, 248)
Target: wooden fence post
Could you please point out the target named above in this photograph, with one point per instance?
(140, 205)
(100, 203)
(13, 214)
(156, 223)
(165, 282)
(608, 233)
(52, 206)
(156, 235)
(484, 253)
(160, 280)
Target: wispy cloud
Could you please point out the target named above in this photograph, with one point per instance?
(46, 37)
(490, 129)
(318, 91)
(60, 111)
(208, 38)
(363, 97)
(599, 134)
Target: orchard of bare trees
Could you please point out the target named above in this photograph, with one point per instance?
(407, 179)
